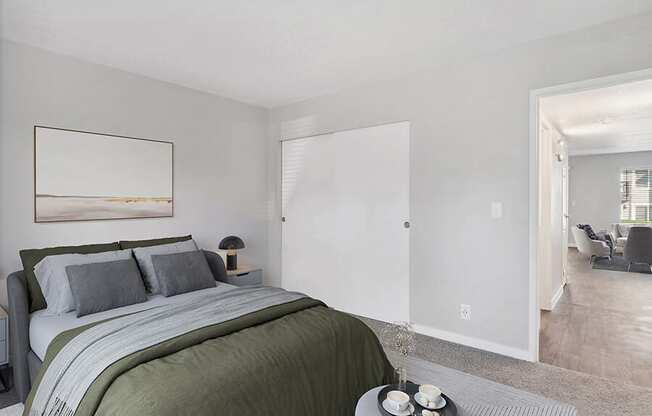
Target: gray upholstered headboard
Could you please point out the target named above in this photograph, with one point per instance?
(216, 264)
(19, 332)
(24, 362)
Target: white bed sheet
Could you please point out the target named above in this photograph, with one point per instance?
(43, 328)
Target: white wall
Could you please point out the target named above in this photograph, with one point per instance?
(469, 147)
(219, 152)
(594, 191)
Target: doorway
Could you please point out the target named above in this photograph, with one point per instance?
(588, 156)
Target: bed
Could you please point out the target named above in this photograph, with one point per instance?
(250, 350)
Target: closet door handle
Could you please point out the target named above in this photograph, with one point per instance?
(406, 224)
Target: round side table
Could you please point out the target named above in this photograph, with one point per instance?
(368, 403)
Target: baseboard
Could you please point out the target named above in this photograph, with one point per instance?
(556, 297)
(473, 342)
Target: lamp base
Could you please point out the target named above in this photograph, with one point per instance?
(231, 262)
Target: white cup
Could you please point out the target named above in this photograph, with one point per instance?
(398, 400)
(430, 392)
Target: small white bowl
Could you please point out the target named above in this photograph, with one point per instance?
(423, 402)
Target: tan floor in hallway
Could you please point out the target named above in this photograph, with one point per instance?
(602, 325)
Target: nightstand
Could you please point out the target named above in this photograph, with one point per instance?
(244, 276)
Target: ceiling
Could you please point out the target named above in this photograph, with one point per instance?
(275, 52)
(605, 120)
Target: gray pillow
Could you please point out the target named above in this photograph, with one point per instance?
(53, 279)
(182, 272)
(98, 287)
(144, 258)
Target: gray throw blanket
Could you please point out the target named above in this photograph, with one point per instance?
(85, 357)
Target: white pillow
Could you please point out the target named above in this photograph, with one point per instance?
(53, 279)
(144, 258)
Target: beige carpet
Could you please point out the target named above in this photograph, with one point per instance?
(591, 395)
(15, 410)
(478, 396)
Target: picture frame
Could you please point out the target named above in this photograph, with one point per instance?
(88, 176)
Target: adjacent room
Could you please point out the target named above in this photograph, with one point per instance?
(598, 316)
(327, 208)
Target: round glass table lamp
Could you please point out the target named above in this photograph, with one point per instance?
(231, 244)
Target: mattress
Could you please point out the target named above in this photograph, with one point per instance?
(43, 328)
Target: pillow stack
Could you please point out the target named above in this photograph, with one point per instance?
(144, 257)
(31, 257)
(52, 277)
(89, 282)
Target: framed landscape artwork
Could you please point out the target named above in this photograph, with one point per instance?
(82, 176)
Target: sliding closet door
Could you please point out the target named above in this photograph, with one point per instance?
(345, 204)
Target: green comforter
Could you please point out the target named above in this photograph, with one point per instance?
(298, 358)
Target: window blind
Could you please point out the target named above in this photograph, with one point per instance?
(636, 195)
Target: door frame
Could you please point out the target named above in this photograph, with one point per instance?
(565, 190)
(534, 120)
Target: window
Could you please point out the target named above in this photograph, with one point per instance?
(636, 195)
(641, 213)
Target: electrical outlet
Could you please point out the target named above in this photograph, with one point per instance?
(465, 312)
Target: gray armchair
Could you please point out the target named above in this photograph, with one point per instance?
(619, 233)
(638, 248)
(591, 248)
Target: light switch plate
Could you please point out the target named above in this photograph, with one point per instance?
(496, 210)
